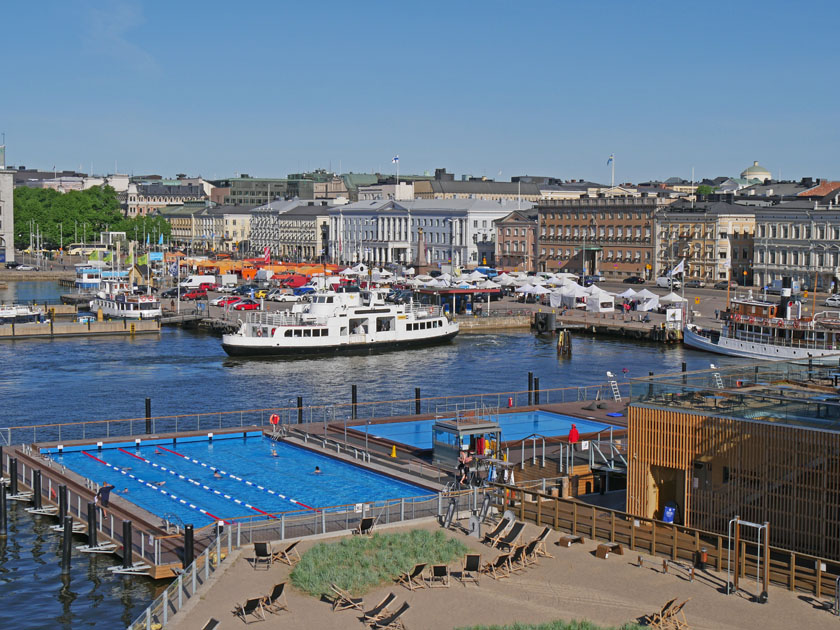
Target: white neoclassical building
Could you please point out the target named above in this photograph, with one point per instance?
(7, 215)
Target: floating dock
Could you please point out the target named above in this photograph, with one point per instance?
(55, 330)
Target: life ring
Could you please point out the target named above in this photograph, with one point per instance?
(752, 320)
(781, 323)
(272, 331)
(796, 323)
(274, 419)
(737, 317)
(259, 332)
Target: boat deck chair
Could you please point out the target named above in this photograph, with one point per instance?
(394, 622)
(471, 571)
(439, 577)
(655, 620)
(251, 607)
(289, 555)
(493, 535)
(498, 568)
(211, 624)
(541, 549)
(517, 559)
(676, 617)
(529, 553)
(379, 611)
(413, 579)
(342, 600)
(512, 537)
(262, 555)
(365, 527)
(275, 601)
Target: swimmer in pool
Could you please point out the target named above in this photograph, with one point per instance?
(160, 483)
(274, 452)
(217, 474)
(317, 470)
(124, 491)
(157, 452)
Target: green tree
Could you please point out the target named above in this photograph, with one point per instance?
(705, 189)
(136, 228)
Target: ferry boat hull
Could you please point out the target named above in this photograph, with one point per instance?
(734, 347)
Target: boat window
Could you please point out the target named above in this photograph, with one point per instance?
(307, 332)
(329, 299)
(343, 331)
(288, 333)
(298, 332)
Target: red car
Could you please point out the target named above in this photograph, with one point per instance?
(247, 305)
(195, 294)
(226, 300)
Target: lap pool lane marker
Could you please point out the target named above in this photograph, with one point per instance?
(154, 487)
(232, 476)
(196, 483)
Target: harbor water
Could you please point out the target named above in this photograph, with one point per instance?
(183, 371)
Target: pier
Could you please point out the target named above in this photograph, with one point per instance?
(54, 330)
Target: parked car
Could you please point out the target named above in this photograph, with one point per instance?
(12, 264)
(304, 290)
(634, 280)
(282, 295)
(261, 294)
(26, 268)
(247, 305)
(195, 294)
(170, 293)
(694, 284)
(666, 282)
(246, 289)
(832, 300)
(722, 284)
(225, 300)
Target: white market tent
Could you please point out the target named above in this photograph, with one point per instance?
(672, 298)
(629, 293)
(574, 296)
(600, 302)
(475, 276)
(541, 290)
(644, 294)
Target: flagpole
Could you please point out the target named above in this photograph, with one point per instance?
(612, 176)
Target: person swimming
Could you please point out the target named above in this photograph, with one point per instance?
(217, 474)
(274, 452)
(317, 470)
(124, 491)
(160, 483)
(157, 451)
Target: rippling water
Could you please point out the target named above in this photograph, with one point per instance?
(185, 371)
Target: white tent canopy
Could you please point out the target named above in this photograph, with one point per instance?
(526, 289)
(600, 302)
(672, 298)
(475, 276)
(629, 293)
(644, 294)
(541, 290)
(487, 284)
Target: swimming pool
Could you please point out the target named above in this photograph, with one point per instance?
(252, 481)
(515, 426)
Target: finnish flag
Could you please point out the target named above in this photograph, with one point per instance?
(395, 160)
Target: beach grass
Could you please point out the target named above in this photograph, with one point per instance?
(361, 563)
(558, 624)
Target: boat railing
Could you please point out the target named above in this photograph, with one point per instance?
(421, 311)
(277, 319)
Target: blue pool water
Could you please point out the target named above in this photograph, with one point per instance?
(288, 480)
(515, 426)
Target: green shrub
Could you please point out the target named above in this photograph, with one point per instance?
(360, 563)
(556, 625)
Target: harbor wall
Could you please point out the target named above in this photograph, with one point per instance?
(75, 329)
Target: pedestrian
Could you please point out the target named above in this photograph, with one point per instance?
(103, 495)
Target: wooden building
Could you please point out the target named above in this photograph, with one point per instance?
(740, 447)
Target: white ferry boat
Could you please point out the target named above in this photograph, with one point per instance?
(117, 300)
(761, 329)
(340, 321)
(19, 314)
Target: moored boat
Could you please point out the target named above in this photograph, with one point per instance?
(117, 300)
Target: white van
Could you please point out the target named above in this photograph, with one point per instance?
(665, 282)
(194, 282)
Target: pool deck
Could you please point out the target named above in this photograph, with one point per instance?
(572, 585)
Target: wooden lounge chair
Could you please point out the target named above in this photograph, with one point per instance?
(472, 569)
(365, 527)
(676, 617)
(252, 607)
(342, 600)
(211, 624)
(512, 537)
(498, 568)
(655, 620)
(393, 622)
(262, 555)
(540, 540)
(439, 577)
(517, 559)
(289, 555)
(529, 553)
(493, 535)
(413, 579)
(380, 610)
(275, 601)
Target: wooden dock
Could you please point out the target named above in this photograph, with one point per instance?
(55, 330)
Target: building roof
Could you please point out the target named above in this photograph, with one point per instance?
(756, 171)
(170, 190)
(707, 207)
(434, 205)
(483, 187)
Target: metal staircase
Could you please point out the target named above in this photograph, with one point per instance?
(614, 387)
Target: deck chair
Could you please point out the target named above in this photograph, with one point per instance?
(472, 568)
(413, 579)
(439, 577)
(655, 620)
(342, 600)
(393, 622)
(529, 553)
(676, 617)
(380, 610)
(540, 540)
(365, 527)
(493, 535)
(211, 624)
(498, 568)
(252, 607)
(262, 555)
(517, 559)
(511, 538)
(275, 601)
(289, 555)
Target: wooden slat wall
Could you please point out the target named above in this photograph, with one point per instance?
(785, 475)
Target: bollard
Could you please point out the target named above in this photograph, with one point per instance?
(353, 401)
(2, 511)
(189, 545)
(417, 401)
(62, 504)
(2, 465)
(148, 416)
(684, 369)
(530, 388)
(300, 409)
(36, 489)
(13, 476)
(127, 560)
(91, 507)
(536, 391)
(66, 545)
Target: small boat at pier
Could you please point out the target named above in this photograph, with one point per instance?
(117, 300)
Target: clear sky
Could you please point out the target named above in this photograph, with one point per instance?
(548, 88)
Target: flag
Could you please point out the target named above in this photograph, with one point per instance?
(173, 269)
(148, 236)
(94, 255)
(129, 260)
(395, 160)
(727, 264)
(108, 257)
(160, 239)
(611, 159)
(267, 252)
(680, 268)
(143, 260)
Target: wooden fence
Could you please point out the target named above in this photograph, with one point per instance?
(788, 569)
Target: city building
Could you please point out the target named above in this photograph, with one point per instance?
(251, 191)
(404, 191)
(294, 230)
(612, 236)
(444, 186)
(800, 239)
(145, 198)
(516, 241)
(712, 237)
(7, 215)
(756, 172)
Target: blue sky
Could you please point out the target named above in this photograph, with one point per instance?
(553, 88)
